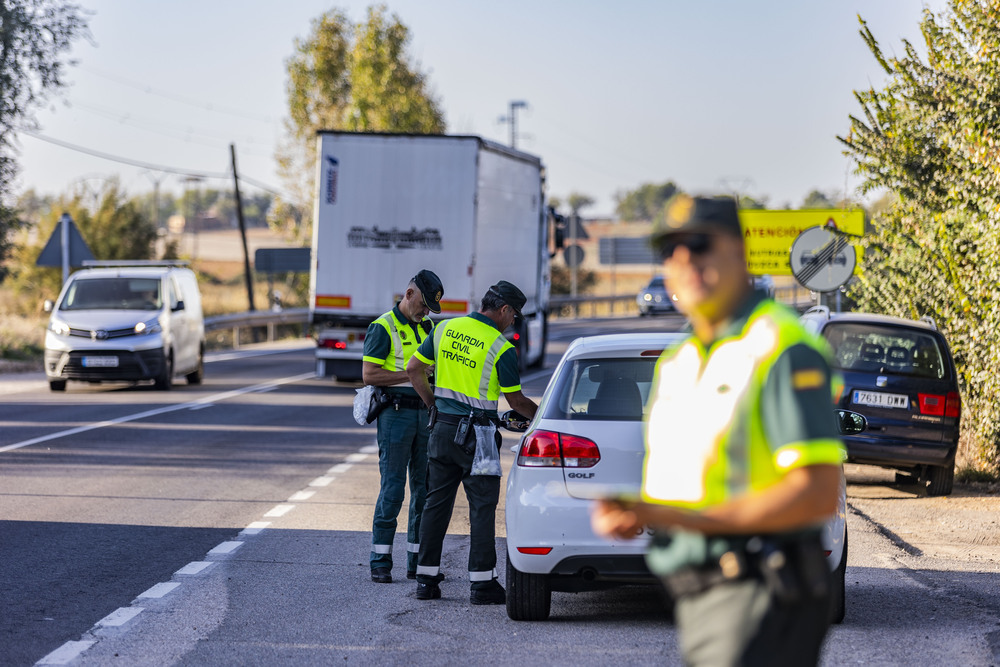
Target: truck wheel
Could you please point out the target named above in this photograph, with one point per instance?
(166, 378)
(529, 596)
(940, 480)
(57, 385)
(838, 589)
(195, 376)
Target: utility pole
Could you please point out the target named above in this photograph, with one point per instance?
(243, 229)
(511, 119)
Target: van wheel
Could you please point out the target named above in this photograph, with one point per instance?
(195, 376)
(940, 480)
(529, 596)
(57, 385)
(165, 379)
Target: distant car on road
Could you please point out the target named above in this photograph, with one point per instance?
(899, 374)
(654, 298)
(764, 284)
(585, 442)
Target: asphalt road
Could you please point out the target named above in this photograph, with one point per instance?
(228, 524)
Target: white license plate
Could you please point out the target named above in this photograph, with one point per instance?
(880, 400)
(100, 362)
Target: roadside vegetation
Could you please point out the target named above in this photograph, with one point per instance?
(931, 138)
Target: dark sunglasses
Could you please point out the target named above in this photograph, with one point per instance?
(697, 244)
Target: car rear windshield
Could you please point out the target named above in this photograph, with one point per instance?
(603, 389)
(113, 294)
(886, 349)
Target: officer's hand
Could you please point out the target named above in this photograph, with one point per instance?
(610, 518)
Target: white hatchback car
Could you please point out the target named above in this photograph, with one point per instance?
(585, 442)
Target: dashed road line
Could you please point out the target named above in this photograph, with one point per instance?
(191, 405)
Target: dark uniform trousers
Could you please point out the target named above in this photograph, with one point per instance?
(402, 448)
(741, 623)
(447, 467)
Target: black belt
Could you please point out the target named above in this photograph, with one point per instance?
(449, 419)
(408, 402)
(454, 419)
(791, 569)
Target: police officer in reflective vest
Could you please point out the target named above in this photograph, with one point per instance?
(402, 434)
(474, 363)
(743, 457)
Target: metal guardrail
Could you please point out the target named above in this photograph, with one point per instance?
(258, 319)
(597, 305)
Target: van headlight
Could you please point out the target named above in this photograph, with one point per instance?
(149, 327)
(58, 327)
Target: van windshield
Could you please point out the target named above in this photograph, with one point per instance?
(113, 294)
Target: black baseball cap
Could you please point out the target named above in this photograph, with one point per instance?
(430, 288)
(510, 295)
(697, 215)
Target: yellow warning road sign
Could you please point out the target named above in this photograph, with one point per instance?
(769, 234)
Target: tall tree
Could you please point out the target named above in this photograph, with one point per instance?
(34, 37)
(577, 202)
(931, 137)
(817, 199)
(645, 202)
(346, 77)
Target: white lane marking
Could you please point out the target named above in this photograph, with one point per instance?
(339, 468)
(356, 458)
(159, 590)
(66, 653)
(246, 354)
(279, 510)
(301, 495)
(192, 405)
(321, 481)
(226, 548)
(119, 617)
(255, 528)
(195, 567)
(369, 449)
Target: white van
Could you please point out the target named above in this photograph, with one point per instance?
(126, 322)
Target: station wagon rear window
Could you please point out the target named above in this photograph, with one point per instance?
(886, 349)
(603, 389)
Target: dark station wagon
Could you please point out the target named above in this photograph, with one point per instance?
(900, 375)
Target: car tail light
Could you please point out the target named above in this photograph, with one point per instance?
(931, 404)
(535, 551)
(557, 450)
(937, 405)
(953, 405)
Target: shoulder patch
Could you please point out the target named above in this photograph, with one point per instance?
(808, 378)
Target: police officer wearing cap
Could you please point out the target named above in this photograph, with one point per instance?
(743, 457)
(402, 434)
(473, 364)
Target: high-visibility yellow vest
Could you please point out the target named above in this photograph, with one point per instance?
(694, 458)
(399, 354)
(466, 351)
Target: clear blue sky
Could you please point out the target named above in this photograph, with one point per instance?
(714, 95)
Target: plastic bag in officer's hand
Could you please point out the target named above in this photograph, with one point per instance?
(486, 460)
(361, 402)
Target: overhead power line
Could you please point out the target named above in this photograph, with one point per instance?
(123, 160)
(201, 104)
(190, 173)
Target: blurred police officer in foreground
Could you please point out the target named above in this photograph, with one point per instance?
(473, 364)
(402, 427)
(743, 458)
